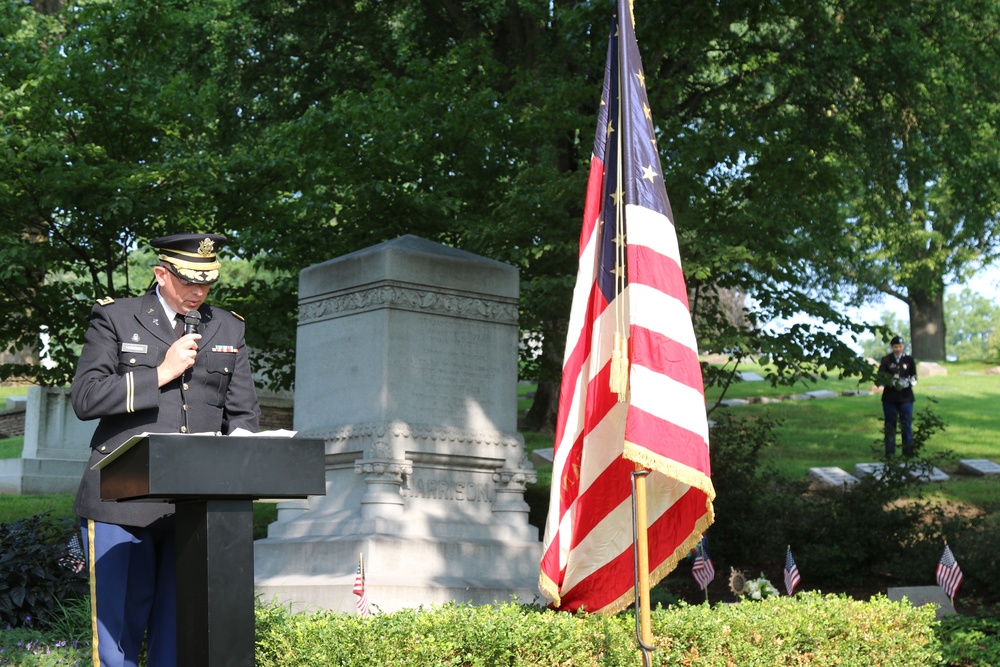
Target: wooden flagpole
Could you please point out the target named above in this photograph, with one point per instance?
(640, 546)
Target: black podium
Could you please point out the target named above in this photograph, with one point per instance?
(214, 481)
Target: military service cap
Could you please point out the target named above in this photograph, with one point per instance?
(191, 257)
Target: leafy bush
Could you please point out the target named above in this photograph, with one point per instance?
(66, 642)
(879, 533)
(35, 575)
(808, 629)
(970, 642)
(748, 499)
(978, 552)
(26, 647)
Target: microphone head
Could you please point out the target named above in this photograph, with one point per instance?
(191, 321)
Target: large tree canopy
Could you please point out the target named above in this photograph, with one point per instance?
(813, 152)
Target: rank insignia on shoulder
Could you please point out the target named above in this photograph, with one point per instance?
(105, 301)
(238, 316)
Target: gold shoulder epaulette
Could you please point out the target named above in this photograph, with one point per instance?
(105, 301)
(237, 316)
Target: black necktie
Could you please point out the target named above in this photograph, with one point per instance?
(179, 324)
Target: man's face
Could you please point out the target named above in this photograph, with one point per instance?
(897, 349)
(179, 294)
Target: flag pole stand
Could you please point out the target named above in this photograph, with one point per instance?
(640, 544)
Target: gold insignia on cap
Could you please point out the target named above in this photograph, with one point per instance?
(206, 248)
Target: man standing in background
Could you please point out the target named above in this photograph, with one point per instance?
(898, 376)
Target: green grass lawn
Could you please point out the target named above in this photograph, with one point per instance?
(838, 432)
(13, 508)
(6, 391)
(12, 447)
(846, 430)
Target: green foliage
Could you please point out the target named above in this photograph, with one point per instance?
(34, 579)
(972, 320)
(979, 546)
(888, 326)
(810, 628)
(56, 506)
(745, 491)
(970, 641)
(25, 647)
(72, 623)
(309, 130)
(880, 532)
(823, 630)
(12, 448)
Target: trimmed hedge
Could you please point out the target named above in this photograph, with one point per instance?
(809, 629)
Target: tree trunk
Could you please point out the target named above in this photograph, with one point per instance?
(48, 7)
(927, 332)
(544, 409)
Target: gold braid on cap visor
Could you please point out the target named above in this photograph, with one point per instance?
(197, 271)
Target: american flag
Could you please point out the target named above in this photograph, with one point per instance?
(74, 559)
(792, 578)
(361, 591)
(630, 323)
(703, 569)
(949, 574)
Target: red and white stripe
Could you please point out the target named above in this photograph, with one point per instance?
(588, 558)
(949, 575)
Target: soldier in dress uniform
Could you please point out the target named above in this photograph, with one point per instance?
(898, 376)
(139, 372)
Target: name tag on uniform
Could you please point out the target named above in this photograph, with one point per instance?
(133, 347)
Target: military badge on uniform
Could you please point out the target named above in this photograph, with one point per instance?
(230, 349)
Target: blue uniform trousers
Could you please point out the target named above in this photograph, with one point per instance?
(133, 590)
(903, 413)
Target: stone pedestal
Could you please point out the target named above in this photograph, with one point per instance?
(406, 365)
(56, 446)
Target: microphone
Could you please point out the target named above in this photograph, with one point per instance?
(191, 321)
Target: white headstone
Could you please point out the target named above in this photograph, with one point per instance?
(927, 474)
(542, 457)
(930, 369)
(406, 364)
(983, 467)
(918, 596)
(734, 402)
(832, 477)
(56, 446)
(823, 393)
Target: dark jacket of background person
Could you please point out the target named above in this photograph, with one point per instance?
(896, 373)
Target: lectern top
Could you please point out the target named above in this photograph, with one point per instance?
(184, 467)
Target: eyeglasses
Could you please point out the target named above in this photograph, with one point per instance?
(182, 281)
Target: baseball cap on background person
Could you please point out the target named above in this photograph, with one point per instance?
(191, 257)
